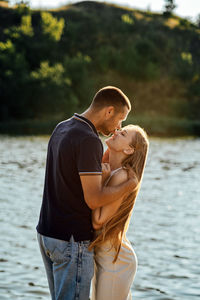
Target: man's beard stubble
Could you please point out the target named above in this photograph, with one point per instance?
(104, 130)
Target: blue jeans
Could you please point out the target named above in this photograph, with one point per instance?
(69, 267)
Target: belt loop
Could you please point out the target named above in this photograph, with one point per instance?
(72, 239)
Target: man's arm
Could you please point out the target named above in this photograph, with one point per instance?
(102, 214)
(97, 195)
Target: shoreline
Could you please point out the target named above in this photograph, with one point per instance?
(154, 126)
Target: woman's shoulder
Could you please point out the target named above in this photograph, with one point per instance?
(118, 176)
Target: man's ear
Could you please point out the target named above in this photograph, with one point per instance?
(109, 112)
(128, 151)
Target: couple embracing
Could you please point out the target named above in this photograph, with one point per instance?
(88, 199)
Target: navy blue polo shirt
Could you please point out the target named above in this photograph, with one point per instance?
(74, 149)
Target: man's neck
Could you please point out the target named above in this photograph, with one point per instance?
(92, 117)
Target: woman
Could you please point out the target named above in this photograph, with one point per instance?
(115, 259)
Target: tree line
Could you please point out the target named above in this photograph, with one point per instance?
(52, 62)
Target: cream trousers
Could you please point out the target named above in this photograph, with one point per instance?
(113, 281)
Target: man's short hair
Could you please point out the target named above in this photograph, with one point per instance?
(110, 96)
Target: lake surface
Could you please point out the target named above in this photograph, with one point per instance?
(164, 229)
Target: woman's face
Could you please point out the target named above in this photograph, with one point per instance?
(121, 140)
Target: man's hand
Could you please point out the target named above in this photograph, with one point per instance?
(105, 172)
(105, 158)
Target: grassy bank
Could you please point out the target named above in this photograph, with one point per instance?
(27, 127)
(166, 126)
(155, 126)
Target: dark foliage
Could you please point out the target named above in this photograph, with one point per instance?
(52, 62)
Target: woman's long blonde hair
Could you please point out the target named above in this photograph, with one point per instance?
(114, 229)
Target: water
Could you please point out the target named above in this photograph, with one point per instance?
(165, 226)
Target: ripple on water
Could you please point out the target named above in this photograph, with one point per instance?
(164, 228)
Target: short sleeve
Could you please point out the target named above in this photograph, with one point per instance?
(90, 156)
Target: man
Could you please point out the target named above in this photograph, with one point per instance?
(73, 187)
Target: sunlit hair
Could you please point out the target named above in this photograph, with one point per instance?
(115, 228)
(110, 95)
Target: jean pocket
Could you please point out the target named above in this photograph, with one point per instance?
(59, 251)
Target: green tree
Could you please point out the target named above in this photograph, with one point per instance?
(51, 94)
(23, 7)
(46, 42)
(198, 21)
(169, 7)
(13, 78)
(194, 98)
(52, 27)
(77, 68)
(15, 32)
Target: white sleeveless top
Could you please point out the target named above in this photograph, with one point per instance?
(112, 281)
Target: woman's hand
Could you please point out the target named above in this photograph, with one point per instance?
(105, 158)
(105, 172)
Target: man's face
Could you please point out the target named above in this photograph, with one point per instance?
(115, 122)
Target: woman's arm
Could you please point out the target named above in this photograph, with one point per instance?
(101, 214)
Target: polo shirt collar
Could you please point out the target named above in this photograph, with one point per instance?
(91, 125)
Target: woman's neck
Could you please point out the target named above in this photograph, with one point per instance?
(115, 159)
